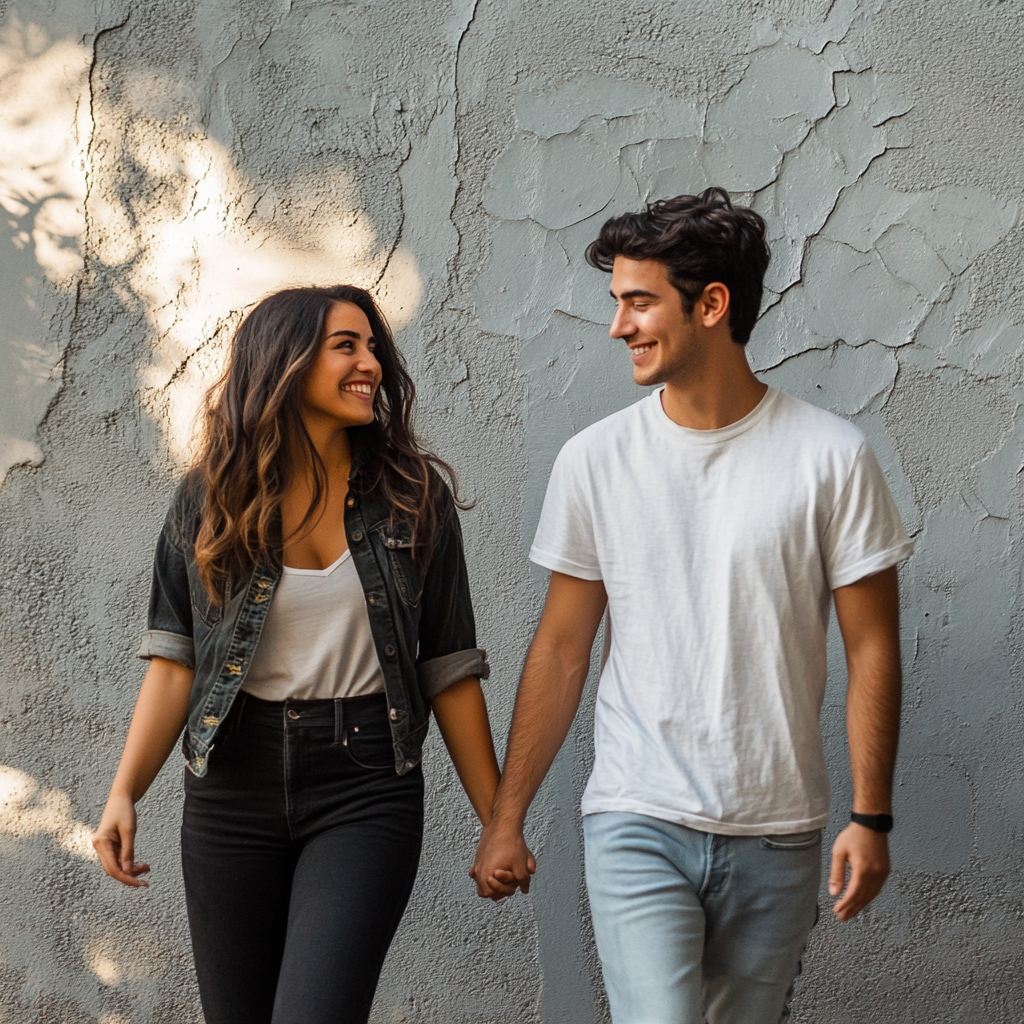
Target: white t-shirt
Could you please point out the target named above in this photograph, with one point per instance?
(316, 640)
(718, 550)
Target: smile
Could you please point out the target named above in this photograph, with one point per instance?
(358, 388)
(641, 349)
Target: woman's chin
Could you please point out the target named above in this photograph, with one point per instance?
(360, 419)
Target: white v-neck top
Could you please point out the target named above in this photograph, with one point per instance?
(316, 640)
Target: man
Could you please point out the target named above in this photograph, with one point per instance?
(714, 519)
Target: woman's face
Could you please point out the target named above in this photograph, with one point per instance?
(341, 385)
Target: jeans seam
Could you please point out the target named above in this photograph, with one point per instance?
(709, 859)
(287, 772)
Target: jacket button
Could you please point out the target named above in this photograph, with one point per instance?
(390, 650)
(350, 502)
(409, 765)
(357, 535)
(293, 715)
(393, 714)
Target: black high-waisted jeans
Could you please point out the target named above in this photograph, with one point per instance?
(299, 849)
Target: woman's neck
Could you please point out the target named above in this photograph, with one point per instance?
(335, 451)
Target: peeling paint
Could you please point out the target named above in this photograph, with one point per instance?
(161, 169)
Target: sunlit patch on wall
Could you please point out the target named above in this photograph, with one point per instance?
(198, 244)
(171, 224)
(44, 129)
(100, 960)
(28, 809)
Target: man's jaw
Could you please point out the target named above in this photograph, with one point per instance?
(644, 357)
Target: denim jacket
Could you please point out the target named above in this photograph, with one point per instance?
(421, 620)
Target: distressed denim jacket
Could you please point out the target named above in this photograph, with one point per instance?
(421, 620)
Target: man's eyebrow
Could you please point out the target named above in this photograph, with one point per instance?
(636, 293)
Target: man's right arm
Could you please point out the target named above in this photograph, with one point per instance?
(546, 703)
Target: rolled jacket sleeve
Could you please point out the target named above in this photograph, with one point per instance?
(169, 633)
(448, 650)
(440, 673)
(156, 643)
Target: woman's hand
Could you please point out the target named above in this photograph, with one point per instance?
(160, 714)
(114, 841)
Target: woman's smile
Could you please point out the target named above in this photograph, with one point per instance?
(347, 348)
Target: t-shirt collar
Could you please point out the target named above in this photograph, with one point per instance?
(691, 436)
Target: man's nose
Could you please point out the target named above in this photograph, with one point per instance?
(621, 326)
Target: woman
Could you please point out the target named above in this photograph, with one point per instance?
(310, 607)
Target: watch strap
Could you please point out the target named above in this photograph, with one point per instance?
(875, 822)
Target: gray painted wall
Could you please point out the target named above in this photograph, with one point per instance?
(167, 163)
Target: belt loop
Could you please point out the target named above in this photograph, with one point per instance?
(337, 721)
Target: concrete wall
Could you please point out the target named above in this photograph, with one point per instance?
(165, 164)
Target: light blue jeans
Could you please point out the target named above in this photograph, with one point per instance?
(695, 927)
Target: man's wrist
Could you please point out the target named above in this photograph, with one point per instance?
(875, 822)
(505, 817)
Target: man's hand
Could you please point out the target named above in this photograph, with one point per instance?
(867, 853)
(546, 701)
(503, 862)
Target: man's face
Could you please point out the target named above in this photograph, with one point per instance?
(664, 342)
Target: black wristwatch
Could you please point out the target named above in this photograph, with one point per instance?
(875, 822)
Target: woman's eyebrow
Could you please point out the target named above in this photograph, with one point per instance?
(345, 334)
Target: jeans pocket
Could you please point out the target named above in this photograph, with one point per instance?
(792, 840)
(370, 747)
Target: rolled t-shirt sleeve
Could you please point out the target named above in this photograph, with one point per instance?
(565, 541)
(865, 534)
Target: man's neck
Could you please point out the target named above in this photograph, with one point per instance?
(718, 396)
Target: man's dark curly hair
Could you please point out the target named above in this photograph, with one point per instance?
(700, 239)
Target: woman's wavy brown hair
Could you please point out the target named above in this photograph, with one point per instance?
(253, 416)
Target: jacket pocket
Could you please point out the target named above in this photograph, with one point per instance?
(792, 841)
(202, 606)
(397, 542)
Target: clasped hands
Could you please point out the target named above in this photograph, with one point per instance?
(503, 862)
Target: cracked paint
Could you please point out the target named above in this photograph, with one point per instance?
(161, 171)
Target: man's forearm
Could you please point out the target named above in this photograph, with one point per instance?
(873, 728)
(868, 614)
(546, 703)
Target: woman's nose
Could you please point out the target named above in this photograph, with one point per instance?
(368, 362)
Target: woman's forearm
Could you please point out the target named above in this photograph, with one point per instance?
(160, 714)
(461, 714)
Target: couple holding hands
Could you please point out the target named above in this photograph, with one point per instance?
(310, 608)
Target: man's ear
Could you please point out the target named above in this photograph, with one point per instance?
(713, 304)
